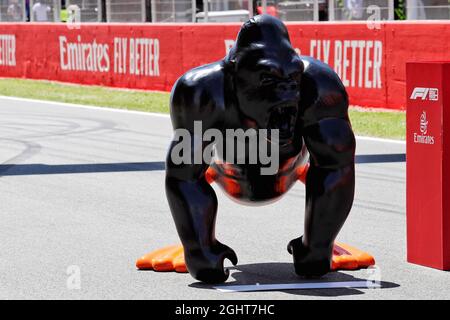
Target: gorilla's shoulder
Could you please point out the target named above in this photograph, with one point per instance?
(322, 91)
(322, 75)
(199, 91)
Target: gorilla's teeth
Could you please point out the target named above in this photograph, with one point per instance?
(282, 118)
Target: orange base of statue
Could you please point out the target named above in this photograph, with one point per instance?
(171, 258)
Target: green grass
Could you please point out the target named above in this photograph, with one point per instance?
(89, 95)
(386, 124)
(367, 123)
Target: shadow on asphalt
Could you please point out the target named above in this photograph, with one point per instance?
(380, 158)
(37, 168)
(277, 273)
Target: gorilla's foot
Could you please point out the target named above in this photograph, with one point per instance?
(165, 259)
(316, 262)
(307, 262)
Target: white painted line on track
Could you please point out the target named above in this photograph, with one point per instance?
(299, 286)
(153, 114)
(380, 140)
(73, 105)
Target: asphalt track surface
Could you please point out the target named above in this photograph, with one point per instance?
(82, 189)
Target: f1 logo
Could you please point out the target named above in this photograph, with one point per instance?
(425, 94)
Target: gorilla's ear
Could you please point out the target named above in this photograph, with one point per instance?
(230, 61)
(230, 66)
(229, 73)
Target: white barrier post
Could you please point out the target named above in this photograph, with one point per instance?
(24, 11)
(264, 6)
(56, 11)
(316, 10)
(250, 9)
(391, 10)
(143, 11)
(194, 10)
(99, 10)
(174, 13)
(108, 10)
(31, 11)
(331, 10)
(205, 10)
(153, 8)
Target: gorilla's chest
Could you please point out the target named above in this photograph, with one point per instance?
(248, 185)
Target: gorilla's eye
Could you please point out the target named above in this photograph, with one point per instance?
(267, 79)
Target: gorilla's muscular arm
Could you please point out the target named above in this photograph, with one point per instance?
(330, 181)
(193, 202)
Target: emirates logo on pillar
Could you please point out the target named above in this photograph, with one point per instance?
(423, 138)
(423, 123)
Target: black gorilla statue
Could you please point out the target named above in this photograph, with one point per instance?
(261, 84)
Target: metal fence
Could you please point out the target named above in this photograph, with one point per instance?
(427, 9)
(12, 11)
(225, 11)
(292, 10)
(173, 10)
(126, 10)
(348, 10)
(218, 10)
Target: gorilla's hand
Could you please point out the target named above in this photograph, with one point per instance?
(206, 264)
(308, 262)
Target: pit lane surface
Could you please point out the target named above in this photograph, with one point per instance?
(82, 193)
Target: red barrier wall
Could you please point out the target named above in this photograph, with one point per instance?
(370, 59)
(354, 51)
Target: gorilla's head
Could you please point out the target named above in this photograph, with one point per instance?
(266, 75)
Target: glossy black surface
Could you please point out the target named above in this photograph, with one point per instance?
(263, 83)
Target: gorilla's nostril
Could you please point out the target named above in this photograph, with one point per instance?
(283, 87)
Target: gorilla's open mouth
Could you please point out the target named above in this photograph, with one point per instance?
(283, 119)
